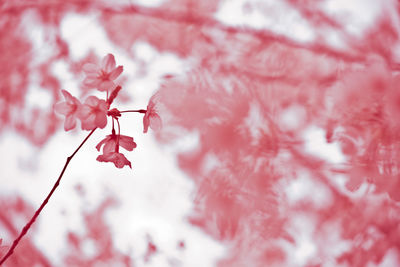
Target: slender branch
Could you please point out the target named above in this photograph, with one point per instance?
(134, 110)
(119, 134)
(32, 220)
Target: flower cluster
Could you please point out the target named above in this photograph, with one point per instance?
(94, 112)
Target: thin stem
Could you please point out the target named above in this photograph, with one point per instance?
(113, 129)
(134, 110)
(32, 220)
(119, 133)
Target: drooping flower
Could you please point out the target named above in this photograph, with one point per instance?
(151, 117)
(111, 140)
(69, 109)
(102, 77)
(117, 158)
(93, 113)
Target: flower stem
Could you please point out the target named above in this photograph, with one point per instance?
(136, 110)
(32, 220)
(119, 134)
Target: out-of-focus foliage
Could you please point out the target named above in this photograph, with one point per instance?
(253, 96)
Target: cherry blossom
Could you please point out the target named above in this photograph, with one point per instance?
(69, 109)
(93, 113)
(110, 143)
(151, 117)
(117, 158)
(102, 77)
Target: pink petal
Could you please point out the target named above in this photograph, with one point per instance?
(120, 161)
(92, 101)
(102, 105)
(146, 122)
(127, 142)
(108, 63)
(150, 106)
(155, 122)
(115, 73)
(84, 112)
(68, 97)
(62, 108)
(77, 103)
(89, 68)
(152, 102)
(109, 147)
(91, 82)
(70, 122)
(104, 157)
(88, 124)
(101, 120)
(102, 142)
(93, 75)
(105, 86)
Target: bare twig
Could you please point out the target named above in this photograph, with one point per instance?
(32, 220)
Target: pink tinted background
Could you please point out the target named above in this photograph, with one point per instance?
(279, 147)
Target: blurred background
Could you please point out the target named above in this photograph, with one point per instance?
(279, 144)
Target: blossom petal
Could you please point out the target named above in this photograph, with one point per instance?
(108, 63)
(91, 82)
(105, 86)
(92, 101)
(62, 108)
(68, 97)
(117, 158)
(102, 142)
(127, 142)
(89, 124)
(84, 112)
(109, 146)
(102, 105)
(155, 122)
(70, 122)
(89, 68)
(115, 73)
(146, 123)
(101, 120)
(120, 161)
(104, 157)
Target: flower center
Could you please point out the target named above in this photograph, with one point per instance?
(104, 76)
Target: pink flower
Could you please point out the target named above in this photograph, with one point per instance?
(102, 77)
(93, 113)
(151, 118)
(110, 143)
(69, 108)
(117, 158)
